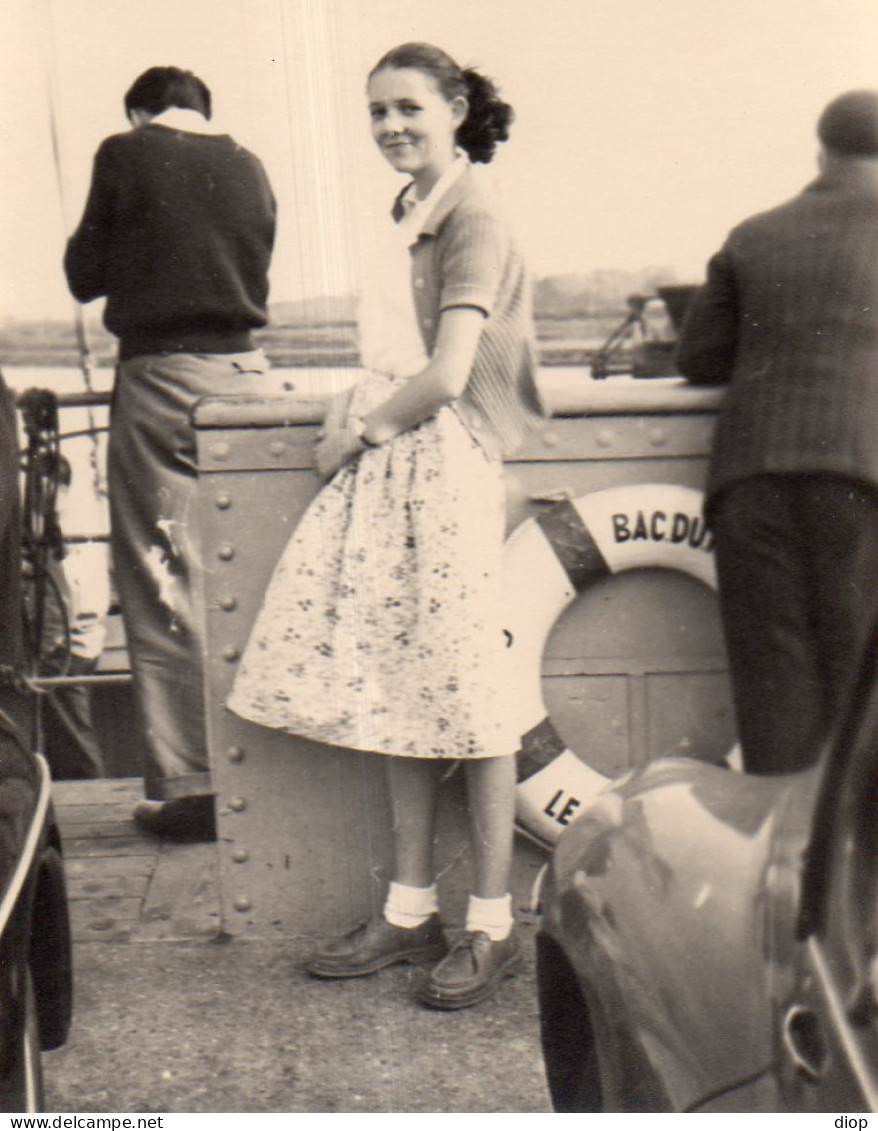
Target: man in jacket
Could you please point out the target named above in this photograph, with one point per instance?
(788, 319)
(177, 233)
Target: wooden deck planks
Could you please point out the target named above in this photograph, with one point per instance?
(97, 793)
(124, 885)
(182, 901)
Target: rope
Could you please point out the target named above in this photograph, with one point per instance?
(86, 365)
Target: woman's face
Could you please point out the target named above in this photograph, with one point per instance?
(414, 124)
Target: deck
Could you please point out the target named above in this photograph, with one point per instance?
(124, 885)
(179, 1023)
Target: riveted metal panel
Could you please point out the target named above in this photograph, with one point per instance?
(620, 437)
(635, 668)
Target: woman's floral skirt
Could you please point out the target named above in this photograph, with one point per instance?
(380, 628)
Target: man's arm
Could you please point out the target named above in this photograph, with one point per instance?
(708, 341)
(85, 261)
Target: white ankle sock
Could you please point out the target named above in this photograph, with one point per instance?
(493, 916)
(410, 907)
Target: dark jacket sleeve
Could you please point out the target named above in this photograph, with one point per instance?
(708, 341)
(85, 261)
(270, 205)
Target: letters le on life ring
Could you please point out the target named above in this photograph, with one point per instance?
(550, 559)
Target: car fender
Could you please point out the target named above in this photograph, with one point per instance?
(666, 865)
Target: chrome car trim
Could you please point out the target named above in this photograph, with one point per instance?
(29, 848)
(812, 1066)
(857, 1062)
(536, 892)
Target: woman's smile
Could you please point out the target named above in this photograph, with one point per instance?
(398, 143)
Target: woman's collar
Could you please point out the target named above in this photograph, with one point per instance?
(407, 204)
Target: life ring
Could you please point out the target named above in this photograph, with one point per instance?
(550, 559)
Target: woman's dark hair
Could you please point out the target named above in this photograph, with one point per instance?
(159, 88)
(489, 117)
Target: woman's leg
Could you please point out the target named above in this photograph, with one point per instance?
(491, 796)
(487, 952)
(409, 930)
(414, 792)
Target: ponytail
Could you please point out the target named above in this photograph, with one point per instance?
(488, 120)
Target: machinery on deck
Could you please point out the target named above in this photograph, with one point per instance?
(643, 344)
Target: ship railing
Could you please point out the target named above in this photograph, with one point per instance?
(566, 395)
(113, 666)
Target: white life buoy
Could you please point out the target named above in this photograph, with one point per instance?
(548, 560)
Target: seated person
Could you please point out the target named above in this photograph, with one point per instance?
(74, 631)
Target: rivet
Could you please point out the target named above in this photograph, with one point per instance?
(604, 438)
(237, 804)
(550, 439)
(226, 553)
(277, 447)
(231, 653)
(235, 753)
(221, 450)
(240, 856)
(242, 903)
(224, 502)
(228, 602)
(657, 437)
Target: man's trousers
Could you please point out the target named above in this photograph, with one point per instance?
(797, 565)
(157, 567)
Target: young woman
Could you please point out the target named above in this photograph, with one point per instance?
(378, 631)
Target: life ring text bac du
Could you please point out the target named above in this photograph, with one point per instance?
(548, 561)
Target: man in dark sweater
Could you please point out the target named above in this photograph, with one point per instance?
(788, 318)
(177, 233)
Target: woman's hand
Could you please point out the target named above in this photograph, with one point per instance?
(336, 447)
(331, 450)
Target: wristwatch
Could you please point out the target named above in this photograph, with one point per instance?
(358, 426)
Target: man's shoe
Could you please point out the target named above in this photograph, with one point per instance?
(472, 971)
(375, 944)
(182, 818)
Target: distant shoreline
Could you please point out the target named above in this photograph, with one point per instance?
(552, 357)
(560, 342)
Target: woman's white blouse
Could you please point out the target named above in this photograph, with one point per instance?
(390, 338)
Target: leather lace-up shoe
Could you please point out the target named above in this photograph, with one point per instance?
(471, 972)
(375, 944)
(182, 818)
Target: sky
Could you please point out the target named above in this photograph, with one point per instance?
(644, 128)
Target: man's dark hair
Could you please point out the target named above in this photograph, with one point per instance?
(159, 88)
(849, 124)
